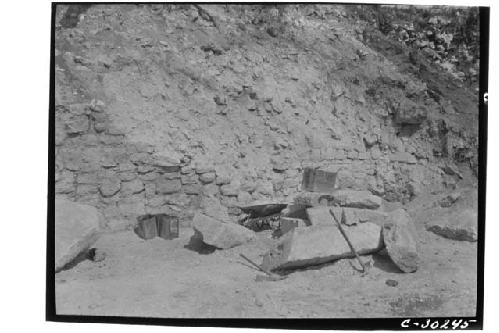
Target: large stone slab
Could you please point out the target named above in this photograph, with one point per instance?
(219, 234)
(318, 180)
(314, 245)
(356, 199)
(400, 236)
(343, 198)
(313, 199)
(263, 208)
(461, 225)
(77, 227)
(322, 216)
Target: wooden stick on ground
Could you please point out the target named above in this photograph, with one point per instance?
(260, 268)
(347, 239)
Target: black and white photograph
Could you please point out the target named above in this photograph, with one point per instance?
(252, 161)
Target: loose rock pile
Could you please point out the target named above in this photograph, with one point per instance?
(316, 239)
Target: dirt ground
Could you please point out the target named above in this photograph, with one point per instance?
(180, 278)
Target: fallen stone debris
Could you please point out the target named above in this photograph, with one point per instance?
(322, 224)
(400, 241)
(327, 224)
(461, 226)
(220, 234)
(317, 245)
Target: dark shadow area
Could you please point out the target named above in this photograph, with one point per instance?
(297, 211)
(385, 263)
(288, 271)
(408, 130)
(196, 244)
(263, 210)
(85, 255)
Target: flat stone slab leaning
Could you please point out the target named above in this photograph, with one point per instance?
(400, 241)
(77, 227)
(220, 234)
(320, 244)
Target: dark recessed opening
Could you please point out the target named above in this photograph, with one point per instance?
(157, 225)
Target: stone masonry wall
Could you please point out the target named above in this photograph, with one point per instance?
(95, 164)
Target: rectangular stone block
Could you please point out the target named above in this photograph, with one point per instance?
(313, 199)
(317, 245)
(356, 199)
(167, 186)
(317, 180)
(322, 216)
(192, 189)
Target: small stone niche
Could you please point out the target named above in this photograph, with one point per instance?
(150, 226)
